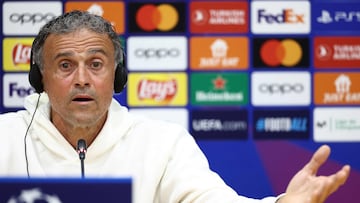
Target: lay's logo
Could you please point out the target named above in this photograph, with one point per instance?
(16, 54)
(157, 89)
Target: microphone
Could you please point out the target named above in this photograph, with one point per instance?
(81, 150)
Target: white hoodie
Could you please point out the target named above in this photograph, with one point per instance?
(163, 159)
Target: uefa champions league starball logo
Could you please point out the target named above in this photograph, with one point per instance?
(34, 195)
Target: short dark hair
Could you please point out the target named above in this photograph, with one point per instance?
(71, 22)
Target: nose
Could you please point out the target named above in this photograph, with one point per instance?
(82, 77)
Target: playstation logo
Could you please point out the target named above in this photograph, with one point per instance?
(325, 17)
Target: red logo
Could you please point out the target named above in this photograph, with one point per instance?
(21, 54)
(163, 17)
(219, 17)
(157, 90)
(219, 83)
(337, 52)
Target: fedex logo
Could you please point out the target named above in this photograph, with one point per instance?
(277, 17)
(286, 16)
(15, 88)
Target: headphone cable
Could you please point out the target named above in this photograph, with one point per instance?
(26, 133)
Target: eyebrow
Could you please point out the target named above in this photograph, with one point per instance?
(91, 51)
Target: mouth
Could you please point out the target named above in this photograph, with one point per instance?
(82, 98)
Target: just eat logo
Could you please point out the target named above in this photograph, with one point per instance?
(286, 16)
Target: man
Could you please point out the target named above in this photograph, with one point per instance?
(75, 60)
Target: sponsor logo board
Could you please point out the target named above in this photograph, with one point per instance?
(219, 124)
(337, 88)
(219, 53)
(280, 88)
(16, 54)
(110, 10)
(157, 17)
(16, 87)
(156, 53)
(174, 115)
(219, 17)
(281, 52)
(337, 124)
(26, 18)
(219, 89)
(337, 52)
(281, 124)
(277, 17)
(336, 17)
(157, 89)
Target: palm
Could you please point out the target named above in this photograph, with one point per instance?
(306, 187)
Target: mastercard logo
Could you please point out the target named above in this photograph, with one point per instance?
(285, 52)
(161, 17)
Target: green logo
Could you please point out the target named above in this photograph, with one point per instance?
(220, 89)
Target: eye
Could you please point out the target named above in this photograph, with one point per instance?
(96, 64)
(65, 65)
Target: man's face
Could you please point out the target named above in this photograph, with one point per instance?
(78, 76)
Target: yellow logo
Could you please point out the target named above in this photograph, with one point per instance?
(16, 54)
(157, 89)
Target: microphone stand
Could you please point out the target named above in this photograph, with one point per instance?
(81, 149)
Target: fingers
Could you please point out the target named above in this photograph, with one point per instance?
(318, 159)
(341, 176)
(333, 182)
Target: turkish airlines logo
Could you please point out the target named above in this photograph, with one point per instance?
(276, 17)
(335, 88)
(16, 52)
(211, 53)
(219, 17)
(281, 52)
(26, 18)
(337, 52)
(157, 89)
(280, 88)
(161, 17)
(157, 53)
(112, 11)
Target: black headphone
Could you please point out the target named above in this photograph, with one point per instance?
(35, 76)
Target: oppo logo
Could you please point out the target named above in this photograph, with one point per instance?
(162, 17)
(157, 53)
(281, 88)
(30, 17)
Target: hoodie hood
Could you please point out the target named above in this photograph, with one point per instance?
(46, 137)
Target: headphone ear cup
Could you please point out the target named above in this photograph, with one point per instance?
(121, 77)
(35, 78)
